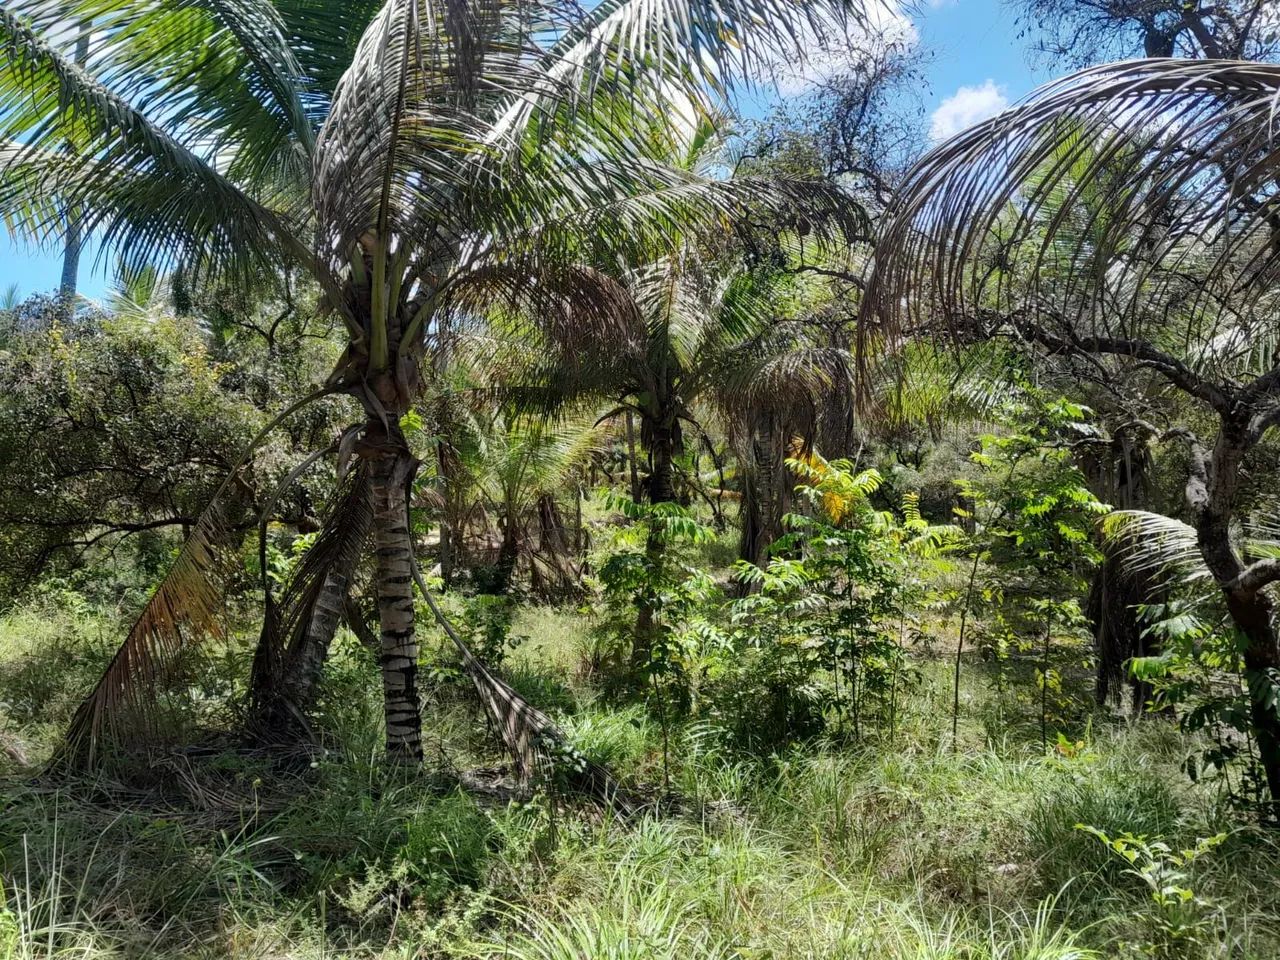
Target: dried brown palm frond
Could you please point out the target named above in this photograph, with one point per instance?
(1130, 201)
(185, 607)
(297, 630)
(531, 738)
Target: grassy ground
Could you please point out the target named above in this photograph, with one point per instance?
(902, 848)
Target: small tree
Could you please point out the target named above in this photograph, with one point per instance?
(1170, 267)
(1032, 518)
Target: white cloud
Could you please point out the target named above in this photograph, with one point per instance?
(965, 107)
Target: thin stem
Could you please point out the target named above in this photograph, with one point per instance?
(964, 620)
(666, 739)
(1044, 685)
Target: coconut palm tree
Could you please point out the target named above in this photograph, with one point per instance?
(395, 154)
(1171, 266)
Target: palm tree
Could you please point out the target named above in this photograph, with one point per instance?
(1170, 267)
(511, 468)
(688, 334)
(395, 171)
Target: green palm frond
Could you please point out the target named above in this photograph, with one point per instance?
(1262, 532)
(524, 458)
(323, 36)
(923, 383)
(1160, 548)
(155, 197)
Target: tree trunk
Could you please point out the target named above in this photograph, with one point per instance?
(393, 544)
(1114, 597)
(631, 457)
(302, 680)
(508, 553)
(447, 470)
(1211, 493)
(75, 233)
(1117, 474)
(765, 496)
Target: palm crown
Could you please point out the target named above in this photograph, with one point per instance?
(455, 150)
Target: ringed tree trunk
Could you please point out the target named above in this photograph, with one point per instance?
(392, 466)
(301, 683)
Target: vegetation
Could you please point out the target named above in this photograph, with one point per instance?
(513, 505)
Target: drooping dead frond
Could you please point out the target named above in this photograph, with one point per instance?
(1110, 207)
(529, 735)
(185, 608)
(298, 629)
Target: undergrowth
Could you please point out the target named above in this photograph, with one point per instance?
(902, 847)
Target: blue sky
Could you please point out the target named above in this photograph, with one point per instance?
(979, 65)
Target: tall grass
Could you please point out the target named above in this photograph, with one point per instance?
(899, 848)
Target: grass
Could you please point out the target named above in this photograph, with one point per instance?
(905, 848)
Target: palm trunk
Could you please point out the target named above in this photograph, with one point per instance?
(764, 497)
(631, 458)
(399, 655)
(1116, 474)
(508, 553)
(75, 233)
(304, 678)
(1114, 597)
(450, 532)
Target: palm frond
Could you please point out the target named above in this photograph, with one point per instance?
(1106, 204)
(530, 736)
(154, 197)
(1159, 548)
(221, 71)
(323, 35)
(185, 608)
(288, 626)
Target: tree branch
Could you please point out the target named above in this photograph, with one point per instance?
(1173, 369)
(1197, 489)
(1256, 576)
